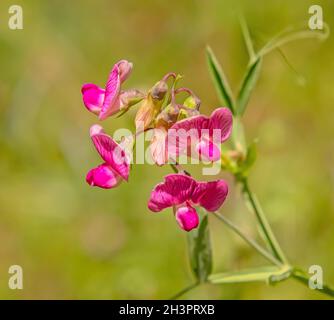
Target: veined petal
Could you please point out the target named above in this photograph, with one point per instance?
(103, 176)
(175, 190)
(197, 123)
(112, 90)
(158, 146)
(110, 151)
(187, 218)
(185, 133)
(216, 128)
(93, 97)
(221, 119)
(125, 68)
(210, 195)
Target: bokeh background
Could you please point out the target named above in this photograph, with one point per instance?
(76, 242)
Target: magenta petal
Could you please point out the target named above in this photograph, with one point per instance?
(184, 133)
(93, 97)
(125, 68)
(222, 120)
(210, 195)
(175, 190)
(208, 150)
(110, 151)
(195, 122)
(103, 176)
(187, 218)
(111, 100)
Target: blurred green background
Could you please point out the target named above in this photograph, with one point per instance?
(74, 241)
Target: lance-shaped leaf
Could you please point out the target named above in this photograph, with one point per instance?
(220, 80)
(247, 38)
(248, 84)
(200, 250)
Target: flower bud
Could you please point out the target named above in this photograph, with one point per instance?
(159, 90)
(187, 113)
(168, 116)
(151, 105)
(125, 68)
(192, 102)
(129, 98)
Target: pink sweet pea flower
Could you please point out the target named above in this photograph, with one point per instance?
(182, 192)
(108, 101)
(200, 134)
(116, 166)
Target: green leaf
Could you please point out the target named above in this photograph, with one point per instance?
(254, 68)
(248, 84)
(220, 80)
(247, 275)
(270, 275)
(247, 37)
(200, 250)
(291, 34)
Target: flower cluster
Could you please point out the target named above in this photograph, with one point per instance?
(178, 129)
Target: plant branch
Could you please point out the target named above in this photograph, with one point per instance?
(263, 222)
(304, 278)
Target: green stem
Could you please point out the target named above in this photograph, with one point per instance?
(279, 258)
(184, 291)
(174, 168)
(250, 241)
(263, 222)
(303, 277)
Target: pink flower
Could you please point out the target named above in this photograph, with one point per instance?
(200, 134)
(116, 165)
(182, 192)
(108, 101)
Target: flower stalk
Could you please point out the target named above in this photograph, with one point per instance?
(276, 255)
(263, 222)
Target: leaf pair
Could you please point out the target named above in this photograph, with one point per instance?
(223, 88)
(238, 105)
